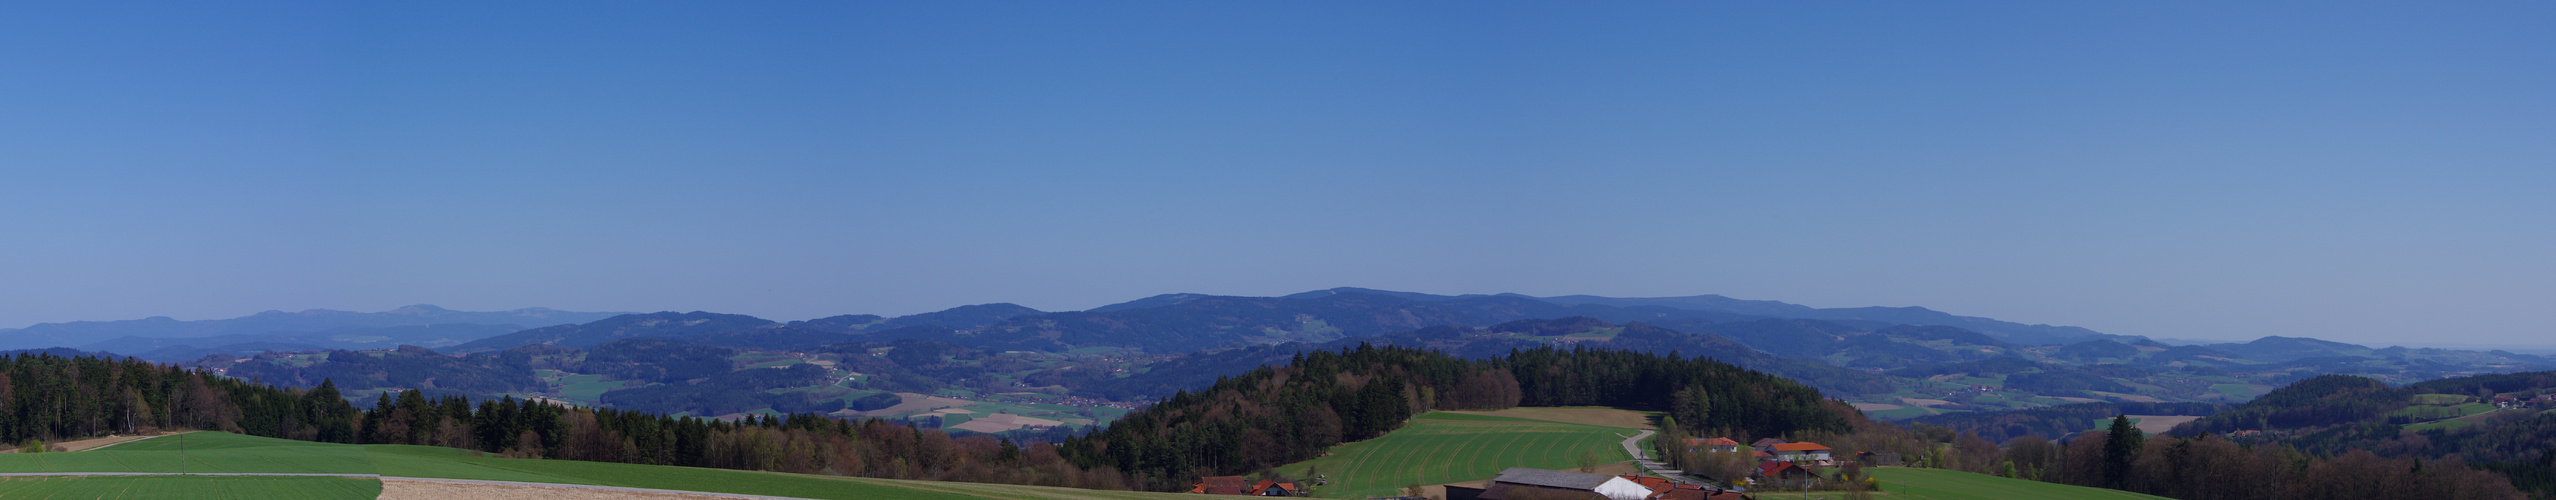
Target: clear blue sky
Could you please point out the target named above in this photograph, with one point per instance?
(2363, 172)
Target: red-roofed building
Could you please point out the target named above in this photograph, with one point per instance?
(1701, 495)
(1781, 474)
(1221, 485)
(1269, 488)
(1238, 485)
(1656, 485)
(1711, 444)
(1803, 453)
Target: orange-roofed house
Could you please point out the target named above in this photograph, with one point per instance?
(1803, 453)
(1269, 488)
(1221, 485)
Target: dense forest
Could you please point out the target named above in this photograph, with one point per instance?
(1278, 415)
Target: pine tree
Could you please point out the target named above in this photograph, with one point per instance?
(2120, 446)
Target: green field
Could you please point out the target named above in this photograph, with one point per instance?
(1438, 448)
(585, 388)
(2439, 399)
(221, 452)
(1902, 412)
(1901, 483)
(2240, 391)
(284, 488)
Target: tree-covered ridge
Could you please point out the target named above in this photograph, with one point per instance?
(2321, 401)
(1278, 415)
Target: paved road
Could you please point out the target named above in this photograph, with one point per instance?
(1633, 446)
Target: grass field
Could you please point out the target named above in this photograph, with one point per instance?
(1901, 483)
(1438, 448)
(189, 487)
(221, 452)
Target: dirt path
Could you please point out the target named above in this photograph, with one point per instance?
(89, 444)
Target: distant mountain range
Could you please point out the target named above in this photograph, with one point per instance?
(279, 327)
(1769, 335)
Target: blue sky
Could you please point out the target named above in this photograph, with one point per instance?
(2365, 172)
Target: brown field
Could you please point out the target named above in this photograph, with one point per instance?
(2158, 424)
(1875, 407)
(913, 403)
(393, 489)
(1603, 417)
(1923, 402)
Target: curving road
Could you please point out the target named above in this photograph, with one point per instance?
(1633, 446)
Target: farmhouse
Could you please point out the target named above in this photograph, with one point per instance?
(1721, 444)
(1806, 453)
(1238, 485)
(1782, 475)
(1524, 483)
(1221, 485)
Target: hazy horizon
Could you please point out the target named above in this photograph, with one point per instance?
(2360, 173)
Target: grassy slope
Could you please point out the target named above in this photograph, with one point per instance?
(219, 452)
(1901, 483)
(1438, 448)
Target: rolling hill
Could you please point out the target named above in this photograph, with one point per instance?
(368, 466)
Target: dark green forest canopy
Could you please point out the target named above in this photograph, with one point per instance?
(1278, 415)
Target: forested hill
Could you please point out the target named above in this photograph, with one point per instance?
(2503, 422)
(1277, 415)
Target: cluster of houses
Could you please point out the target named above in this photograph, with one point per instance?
(1784, 464)
(2517, 401)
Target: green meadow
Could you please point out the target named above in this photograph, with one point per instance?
(1902, 483)
(222, 452)
(1439, 448)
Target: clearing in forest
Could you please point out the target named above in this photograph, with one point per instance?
(1447, 447)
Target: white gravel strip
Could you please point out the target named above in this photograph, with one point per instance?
(423, 479)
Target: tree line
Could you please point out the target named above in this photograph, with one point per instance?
(2202, 467)
(49, 398)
